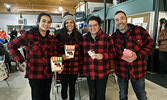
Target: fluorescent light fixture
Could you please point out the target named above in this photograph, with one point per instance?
(60, 8)
(7, 5)
(32, 10)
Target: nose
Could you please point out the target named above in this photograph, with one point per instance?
(120, 21)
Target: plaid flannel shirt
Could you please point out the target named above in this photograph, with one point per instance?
(72, 65)
(139, 41)
(38, 52)
(93, 68)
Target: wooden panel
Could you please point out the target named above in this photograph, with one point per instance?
(146, 19)
(50, 5)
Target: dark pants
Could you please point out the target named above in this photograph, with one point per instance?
(40, 88)
(66, 79)
(97, 88)
(138, 87)
(162, 62)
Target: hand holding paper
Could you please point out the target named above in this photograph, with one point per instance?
(94, 55)
(91, 54)
(129, 55)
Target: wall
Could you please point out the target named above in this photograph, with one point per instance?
(131, 7)
(161, 5)
(11, 19)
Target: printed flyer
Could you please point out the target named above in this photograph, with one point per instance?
(70, 50)
(56, 63)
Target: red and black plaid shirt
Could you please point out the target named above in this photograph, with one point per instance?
(73, 65)
(139, 41)
(103, 44)
(38, 52)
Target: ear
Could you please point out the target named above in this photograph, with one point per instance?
(38, 23)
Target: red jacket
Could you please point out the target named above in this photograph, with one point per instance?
(139, 41)
(93, 68)
(73, 65)
(38, 53)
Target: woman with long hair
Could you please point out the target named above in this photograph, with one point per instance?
(39, 49)
(69, 38)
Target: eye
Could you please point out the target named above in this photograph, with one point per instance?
(43, 20)
(116, 20)
(49, 22)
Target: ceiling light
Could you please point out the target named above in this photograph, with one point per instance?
(7, 5)
(60, 9)
(32, 10)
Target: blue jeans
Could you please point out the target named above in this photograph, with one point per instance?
(138, 87)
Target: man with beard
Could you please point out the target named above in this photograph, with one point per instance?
(133, 45)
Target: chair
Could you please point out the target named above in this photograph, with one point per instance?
(3, 70)
(57, 83)
(112, 73)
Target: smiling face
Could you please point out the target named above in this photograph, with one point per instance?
(69, 24)
(121, 22)
(94, 27)
(45, 23)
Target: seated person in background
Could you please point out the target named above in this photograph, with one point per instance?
(3, 51)
(2, 35)
(13, 33)
(22, 30)
(85, 29)
(57, 29)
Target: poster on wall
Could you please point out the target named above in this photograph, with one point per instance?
(129, 20)
(137, 20)
(144, 25)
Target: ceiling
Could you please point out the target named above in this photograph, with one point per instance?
(38, 6)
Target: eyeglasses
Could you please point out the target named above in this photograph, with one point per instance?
(95, 25)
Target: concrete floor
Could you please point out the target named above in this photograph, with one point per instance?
(19, 89)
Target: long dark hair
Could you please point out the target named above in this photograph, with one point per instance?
(63, 34)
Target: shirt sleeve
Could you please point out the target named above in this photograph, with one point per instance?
(14, 46)
(110, 55)
(147, 43)
(162, 35)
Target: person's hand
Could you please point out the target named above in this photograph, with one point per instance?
(131, 59)
(61, 70)
(98, 56)
(65, 57)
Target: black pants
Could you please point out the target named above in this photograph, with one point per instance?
(163, 62)
(40, 88)
(97, 88)
(66, 79)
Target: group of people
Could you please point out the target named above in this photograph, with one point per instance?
(5, 38)
(129, 47)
